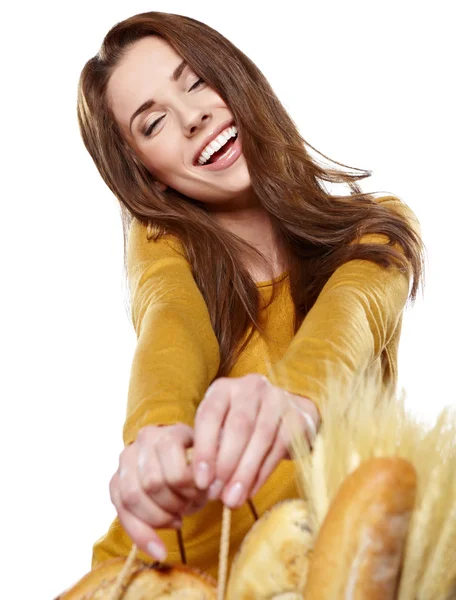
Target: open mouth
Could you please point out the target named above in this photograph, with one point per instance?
(215, 156)
(220, 153)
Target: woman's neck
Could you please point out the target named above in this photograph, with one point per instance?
(254, 225)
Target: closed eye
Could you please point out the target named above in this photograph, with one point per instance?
(197, 83)
(149, 130)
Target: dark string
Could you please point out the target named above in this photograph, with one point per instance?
(253, 509)
(180, 539)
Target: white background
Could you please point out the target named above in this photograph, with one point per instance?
(367, 83)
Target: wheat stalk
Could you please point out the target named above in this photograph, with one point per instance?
(374, 422)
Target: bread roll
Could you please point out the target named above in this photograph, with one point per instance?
(359, 548)
(273, 557)
(154, 582)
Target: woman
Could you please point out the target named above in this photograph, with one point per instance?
(241, 265)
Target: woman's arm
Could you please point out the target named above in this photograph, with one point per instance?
(177, 354)
(351, 322)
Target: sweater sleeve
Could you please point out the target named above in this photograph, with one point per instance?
(349, 325)
(177, 353)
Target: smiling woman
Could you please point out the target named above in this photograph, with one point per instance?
(155, 98)
(249, 282)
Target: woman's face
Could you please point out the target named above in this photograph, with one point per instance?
(168, 135)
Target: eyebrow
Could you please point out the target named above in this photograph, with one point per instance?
(149, 103)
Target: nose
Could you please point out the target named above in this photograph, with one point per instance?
(196, 121)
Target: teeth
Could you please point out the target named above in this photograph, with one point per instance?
(216, 144)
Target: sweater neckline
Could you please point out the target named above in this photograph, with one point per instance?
(269, 282)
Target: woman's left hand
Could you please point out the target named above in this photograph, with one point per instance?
(240, 436)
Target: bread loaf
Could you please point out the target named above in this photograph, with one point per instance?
(154, 582)
(273, 558)
(359, 548)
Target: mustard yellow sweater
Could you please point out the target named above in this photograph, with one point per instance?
(354, 324)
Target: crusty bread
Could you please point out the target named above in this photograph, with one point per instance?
(273, 558)
(372, 422)
(360, 545)
(154, 582)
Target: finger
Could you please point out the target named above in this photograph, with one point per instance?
(134, 499)
(151, 436)
(142, 534)
(197, 503)
(310, 427)
(238, 430)
(171, 452)
(163, 460)
(153, 483)
(209, 420)
(275, 455)
(180, 490)
(258, 448)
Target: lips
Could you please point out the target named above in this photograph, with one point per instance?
(211, 136)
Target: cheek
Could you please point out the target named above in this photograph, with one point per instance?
(162, 161)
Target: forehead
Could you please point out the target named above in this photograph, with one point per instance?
(145, 68)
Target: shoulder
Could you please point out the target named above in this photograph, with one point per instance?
(141, 247)
(160, 277)
(160, 263)
(395, 204)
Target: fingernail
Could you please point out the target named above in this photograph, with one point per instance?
(202, 475)
(215, 489)
(209, 391)
(234, 495)
(157, 551)
(266, 380)
(176, 524)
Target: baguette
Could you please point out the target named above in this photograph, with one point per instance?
(359, 548)
(144, 581)
(273, 558)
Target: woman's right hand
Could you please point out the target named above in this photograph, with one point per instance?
(153, 487)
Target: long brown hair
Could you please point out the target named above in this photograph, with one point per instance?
(314, 228)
